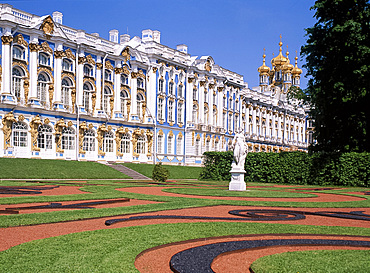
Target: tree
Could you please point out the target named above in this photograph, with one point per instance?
(160, 173)
(337, 55)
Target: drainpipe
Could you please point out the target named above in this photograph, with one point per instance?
(77, 145)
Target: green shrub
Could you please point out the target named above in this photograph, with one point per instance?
(160, 173)
(348, 169)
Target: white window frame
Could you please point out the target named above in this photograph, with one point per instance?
(45, 137)
(20, 134)
(89, 141)
(68, 138)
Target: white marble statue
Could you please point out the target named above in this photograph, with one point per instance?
(240, 150)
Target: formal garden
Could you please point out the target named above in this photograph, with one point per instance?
(92, 218)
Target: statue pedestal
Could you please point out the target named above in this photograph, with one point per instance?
(237, 180)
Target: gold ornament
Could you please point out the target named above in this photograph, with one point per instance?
(7, 121)
(47, 26)
(34, 124)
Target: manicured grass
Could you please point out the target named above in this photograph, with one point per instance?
(176, 172)
(246, 194)
(23, 168)
(114, 250)
(320, 261)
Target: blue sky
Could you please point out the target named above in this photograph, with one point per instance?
(233, 32)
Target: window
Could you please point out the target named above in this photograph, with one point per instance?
(214, 98)
(179, 91)
(170, 111)
(160, 144)
(179, 112)
(44, 59)
(18, 53)
(179, 145)
(123, 103)
(108, 142)
(207, 145)
(125, 144)
(160, 108)
(44, 137)
(124, 79)
(224, 102)
(224, 120)
(140, 149)
(67, 65)
(88, 71)
(68, 138)
(197, 147)
(106, 98)
(195, 113)
(205, 96)
(205, 114)
(89, 141)
(108, 75)
(236, 123)
(160, 86)
(17, 82)
(140, 83)
(139, 101)
(195, 94)
(170, 88)
(66, 87)
(214, 117)
(42, 84)
(229, 122)
(87, 88)
(169, 145)
(19, 131)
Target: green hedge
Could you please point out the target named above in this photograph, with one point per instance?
(348, 169)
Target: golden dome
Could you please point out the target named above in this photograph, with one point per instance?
(264, 69)
(279, 59)
(287, 66)
(296, 70)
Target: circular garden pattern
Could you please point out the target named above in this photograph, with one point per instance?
(180, 226)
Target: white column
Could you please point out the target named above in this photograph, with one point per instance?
(33, 100)
(6, 66)
(133, 97)
(98, 105)
(220, 107)
(274, 136)
(58, 53)
(189, 99)
(79, 79)
(117, 89)
(201, 102)
(254, 113)
(268, 123)
(210, 107)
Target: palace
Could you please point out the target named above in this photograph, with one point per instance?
(66, 94)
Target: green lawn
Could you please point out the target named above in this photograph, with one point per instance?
(23, 168)
(114, 250)
(176, 172)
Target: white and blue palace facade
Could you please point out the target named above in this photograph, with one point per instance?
(66, 94)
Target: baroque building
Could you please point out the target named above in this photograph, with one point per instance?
(67, 94)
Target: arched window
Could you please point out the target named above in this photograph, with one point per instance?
(125, 144)
(123, 103)
(86, 96)
(89, 141)
(66, 90)
(44, 59)
(160, 108)
(195, 113)
(67, 65)
(169, 145)
(179, 91)
(18, 53)
(44, 137)
(88, 70)
(140, 145)
(108, 142)
(197, 147)
(19, 132)
(179, 150)
(17, 82)
(205, 114)
(170, 111)
(140, 83)
(106, 98)
(195, 97)
(160, 86)
(42, 85)
(139, 102)
(108, 75)
(68, 138)
(160, 144)
(207, 145)
(170, 88)
(180, 112)
(124, 79)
